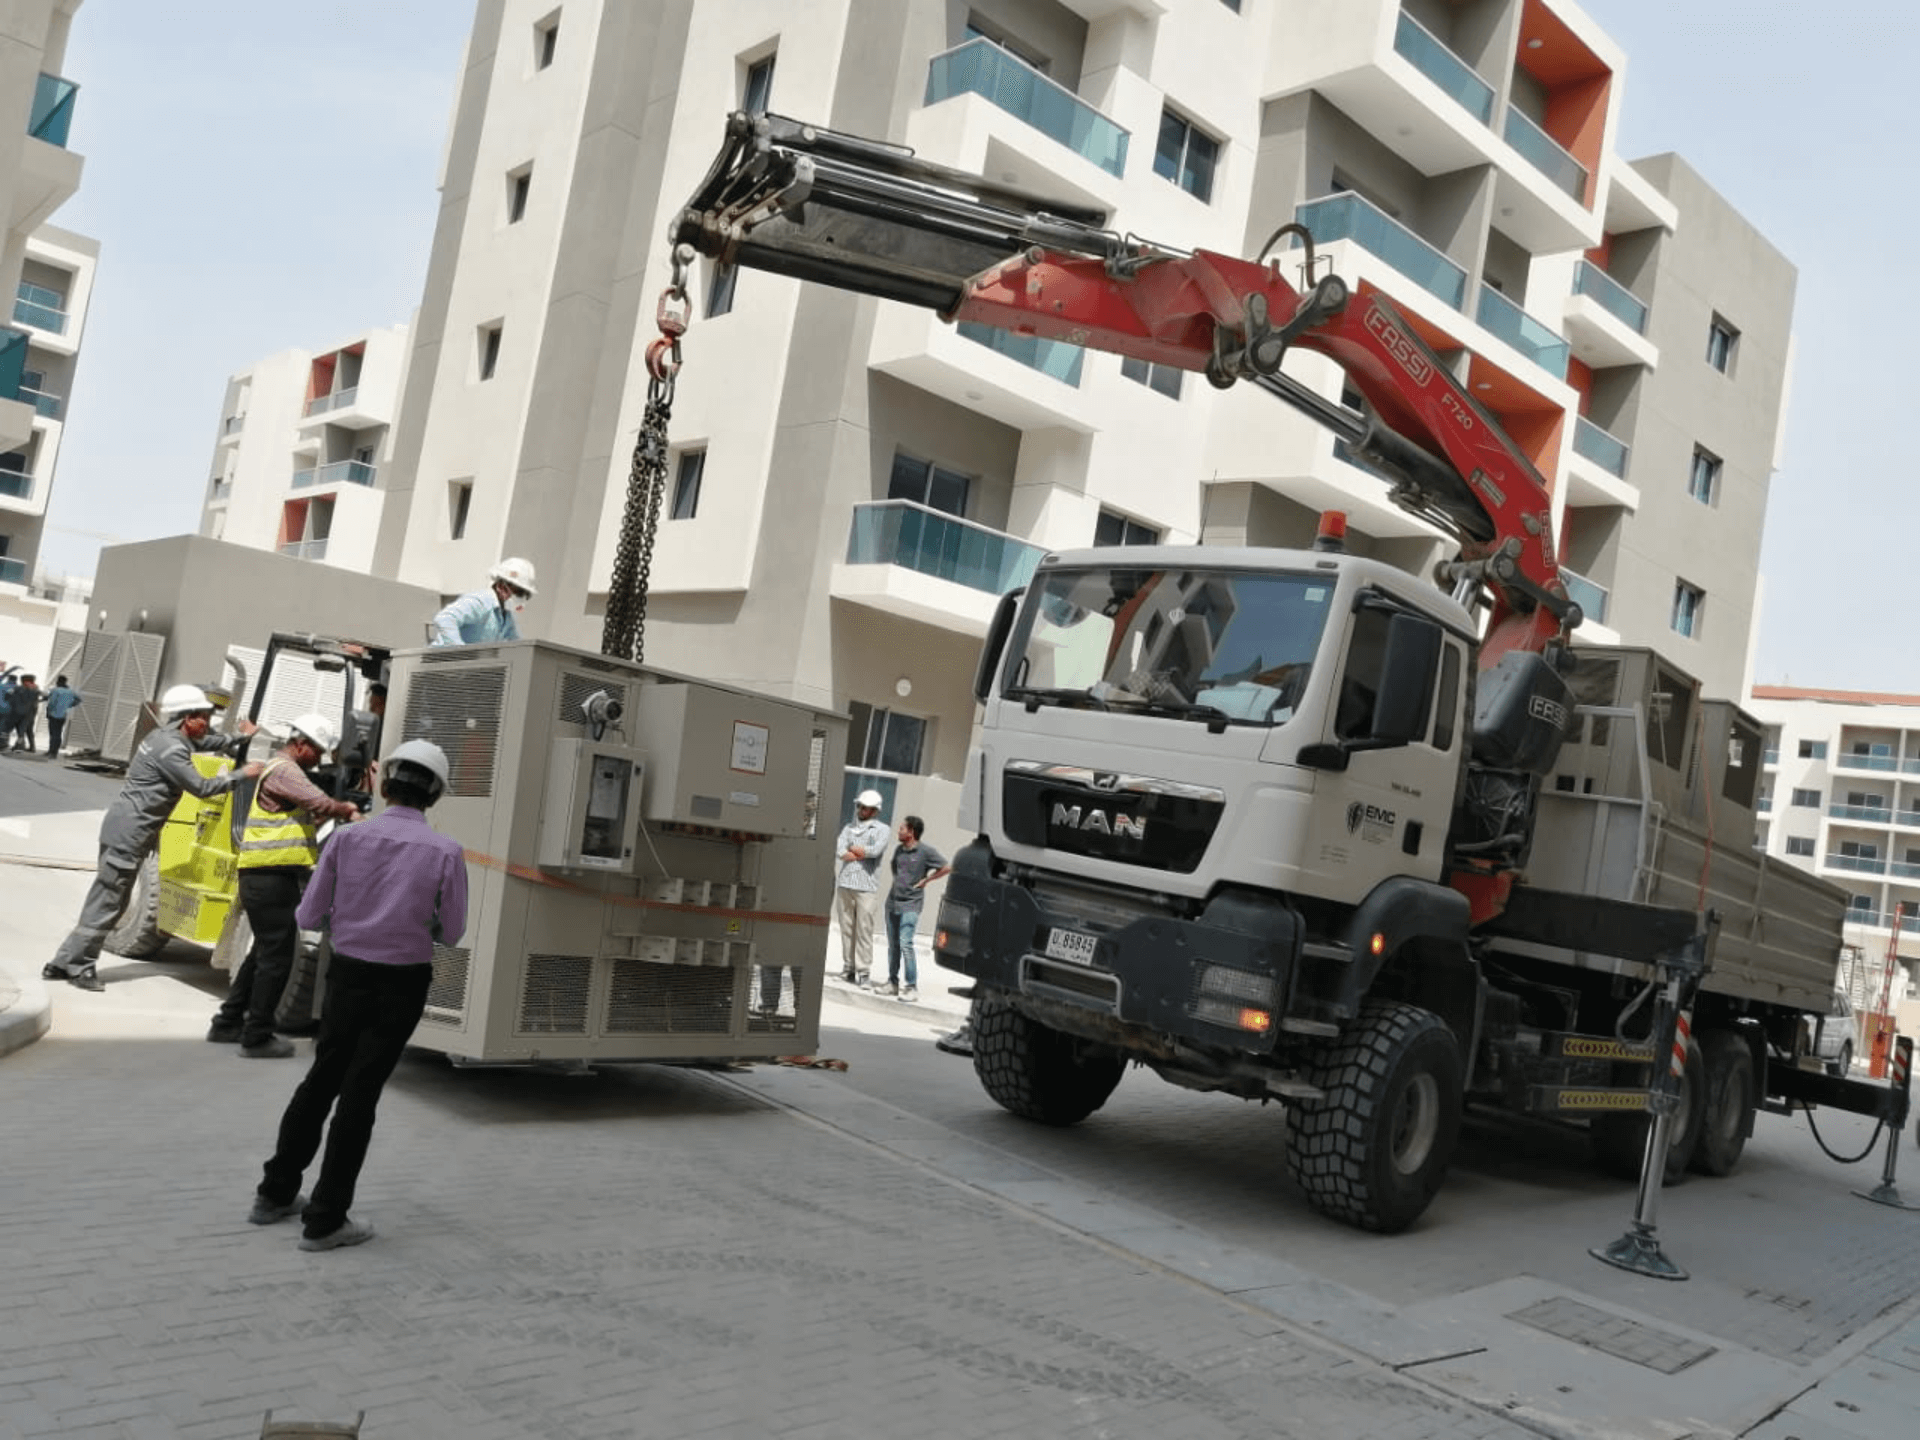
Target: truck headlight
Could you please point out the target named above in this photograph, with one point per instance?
(1237, 999)
(953, 931)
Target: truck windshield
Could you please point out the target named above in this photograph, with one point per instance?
(1219, 645)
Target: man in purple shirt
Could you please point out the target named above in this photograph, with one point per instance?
(388, 888)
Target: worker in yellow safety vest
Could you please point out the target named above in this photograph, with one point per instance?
(275, 843)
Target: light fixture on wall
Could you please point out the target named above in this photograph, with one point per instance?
(903, 687)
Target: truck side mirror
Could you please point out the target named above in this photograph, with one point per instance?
(994, 646)
(1406, 681)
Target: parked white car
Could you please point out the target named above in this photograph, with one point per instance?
(1839, 1039)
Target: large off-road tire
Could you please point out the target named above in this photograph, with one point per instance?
(1037, 1072)
(1727, 1060)
(1619, 1141)
(138, 934)
(1375, 1150)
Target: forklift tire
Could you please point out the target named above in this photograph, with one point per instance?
(1037, 1072)
(1619, 1141)
(1728, 1062)
(1375, 1150)
(138, 934)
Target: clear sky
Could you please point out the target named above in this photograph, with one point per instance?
(263, 179)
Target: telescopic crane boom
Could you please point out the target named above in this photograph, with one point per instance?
(839, 210)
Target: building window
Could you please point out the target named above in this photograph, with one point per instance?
(1703, 476)
(1813, 749)
(1722, 343)
(1186, 156)
(926, 483)
(1689, 607)
(518, 183)
(887, 740)
(686, 484)
(720, 289)
(1807, 799)
(1799, 845)
(546, 40)
(1164, 378)
(490, 349)
(459, 502)
(1115, 529)
(1860, 849)
(755, 94)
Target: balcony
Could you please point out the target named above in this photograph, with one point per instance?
(305, 549)
(13, 572)
(338, 400)
(1591, 598)
(1907, 817)
(900, 532)
(1770, 756)
(41, 308)
(983, 68)
(1050, 357)
(1602, 449)
(1902, 870)
(1418, 46)
(52, 113)
(1877, 918)
(1873, 814)
(16, 485)
(337, 472)
(1858, 864)
(1348, 217)
(1865, 762)
(1524, 333)
(1762, 806)
(1613, 297)
(13, 363)
(45, 405)
(232, 425)
(1544, 153)
(221, 490)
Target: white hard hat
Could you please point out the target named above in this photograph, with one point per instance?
(869, 798)
(183, 700)
(516, 572)
(427, 756)
(317, 728)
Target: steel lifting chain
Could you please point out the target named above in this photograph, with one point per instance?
(623, 636)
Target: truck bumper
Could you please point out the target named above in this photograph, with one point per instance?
(1219, 981)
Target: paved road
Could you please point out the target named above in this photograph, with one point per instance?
(806, 1253)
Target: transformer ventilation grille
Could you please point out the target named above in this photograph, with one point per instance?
(447, 995)
(459, 710)
(672, 999)
(553, 995)
(576, 690)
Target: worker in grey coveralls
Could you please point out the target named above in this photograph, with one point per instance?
(160, 771)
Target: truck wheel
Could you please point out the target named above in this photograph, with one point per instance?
(1037, 1072)
(138, 934)
(1728, 1063)
(1374, 1151)
(1619, 1141)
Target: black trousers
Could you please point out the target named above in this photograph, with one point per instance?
(55, 729)
(369, 1014)
(269, 896)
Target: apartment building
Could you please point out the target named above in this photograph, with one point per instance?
(50, 272)
(302, 439)
(853, 482)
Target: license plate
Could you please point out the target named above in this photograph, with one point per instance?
(1071, 945)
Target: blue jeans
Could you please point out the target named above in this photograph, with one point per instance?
(900, 927)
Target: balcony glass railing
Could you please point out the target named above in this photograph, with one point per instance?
(1591, 598)
(47, 405)
(303, 478)
(1524, 333)
(41, 308)
(16, 485)
(1600, 447)
(1000, 77)
(305, 549)
(1904, 870)
(222, 489)
(1876, 814)
(1543, 152)
(899, 532)
(336, 472)
(1865, 917)
(1348, 217)
(1764, 805)
(1415, 44)
(338, 400)
(1050, 357)
(1613, 297)
(1770, 756)
(52, 113)
(13, 572)
(1861, 864)
(1906, 817)
(1845, 761)
(13, 363)
(232, 424)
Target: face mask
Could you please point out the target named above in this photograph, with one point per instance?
(516, 603)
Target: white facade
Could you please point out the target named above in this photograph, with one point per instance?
(1458, 156)
(302, 438)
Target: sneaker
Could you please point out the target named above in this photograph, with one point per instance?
(53, 969)
(846, 975)
(222, 1032)
(912, 992)
(265, 1212)
(85, 979)
(353, 1232)
(886, 987)
(960, 1042)
(271, 1048)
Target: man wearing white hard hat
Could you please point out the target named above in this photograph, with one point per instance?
(856, 893)
(275, 844)
(483, 615)
(389, 890)
(160, 772)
